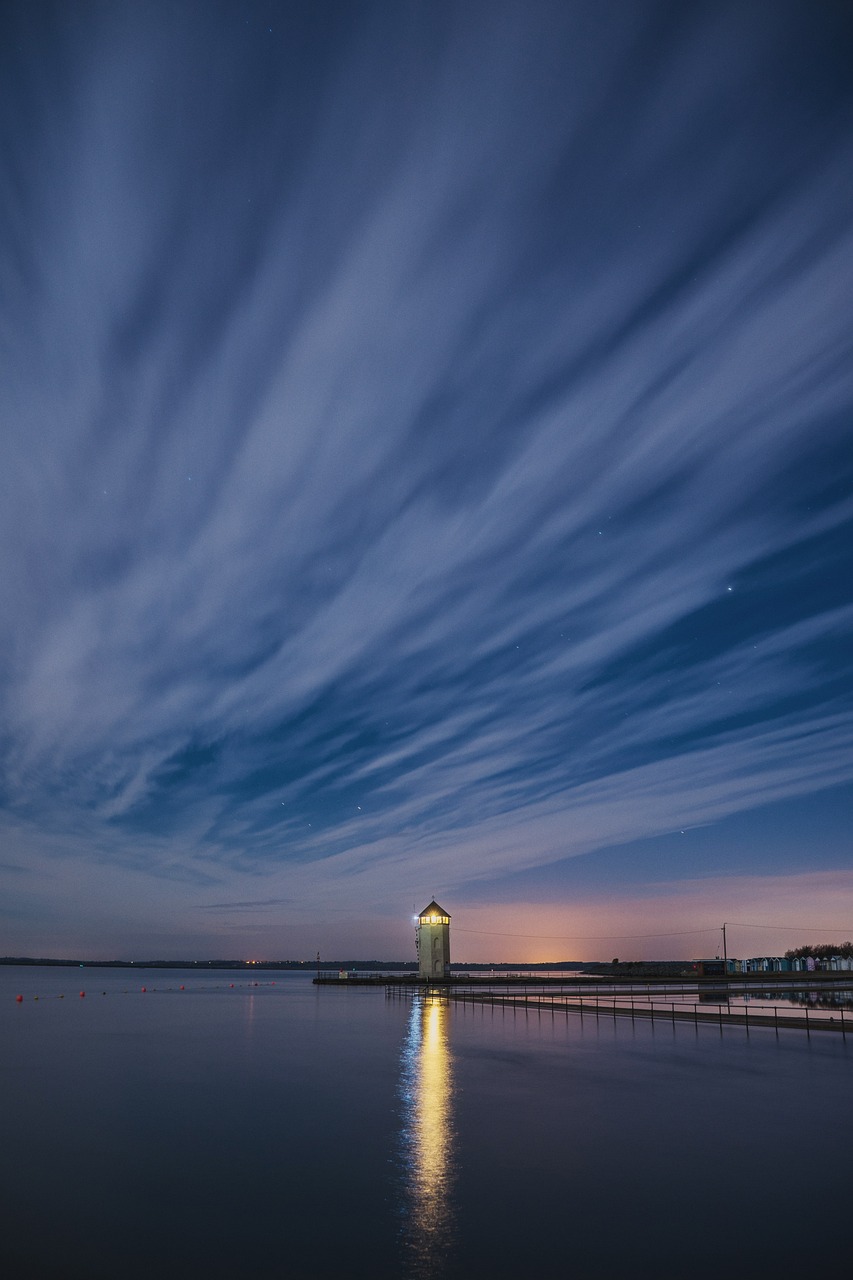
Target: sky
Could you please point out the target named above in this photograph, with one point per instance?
(425, 470)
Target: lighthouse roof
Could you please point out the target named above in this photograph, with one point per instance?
(434, 910)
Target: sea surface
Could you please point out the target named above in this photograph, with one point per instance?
(278, 1129)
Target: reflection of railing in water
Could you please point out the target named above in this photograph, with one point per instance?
(834, 999)
(428, 1133)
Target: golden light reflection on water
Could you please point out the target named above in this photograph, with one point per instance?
(428, 1130)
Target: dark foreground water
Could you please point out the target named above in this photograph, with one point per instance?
(292, 1131)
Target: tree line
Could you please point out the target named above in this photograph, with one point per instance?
(824, 951)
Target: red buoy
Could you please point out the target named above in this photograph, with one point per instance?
(231, 984)
(19, 999)
(144, 988)
(82, 993)
(182, 987)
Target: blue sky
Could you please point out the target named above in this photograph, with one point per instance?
(425, 470)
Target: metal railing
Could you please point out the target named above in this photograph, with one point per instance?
(728, 1011)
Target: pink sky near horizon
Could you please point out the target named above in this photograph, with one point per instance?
(765, 915)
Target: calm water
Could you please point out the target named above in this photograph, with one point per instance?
(292, 1131)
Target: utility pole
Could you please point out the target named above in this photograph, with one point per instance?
(725, 952)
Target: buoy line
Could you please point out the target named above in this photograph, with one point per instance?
(232, 986)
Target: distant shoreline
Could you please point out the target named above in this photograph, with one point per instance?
(307, 966)
(369, 972)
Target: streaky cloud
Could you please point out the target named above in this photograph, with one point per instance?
(426, 438)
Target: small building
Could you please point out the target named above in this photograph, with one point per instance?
(433, 942)
(716, 967)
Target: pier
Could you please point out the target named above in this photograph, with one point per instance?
(669, 1006)
(825, 1004)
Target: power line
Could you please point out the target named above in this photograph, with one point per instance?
(628, 937)
(818, 928)
(587, 937)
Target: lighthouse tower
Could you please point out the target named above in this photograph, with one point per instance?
(433, 938)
